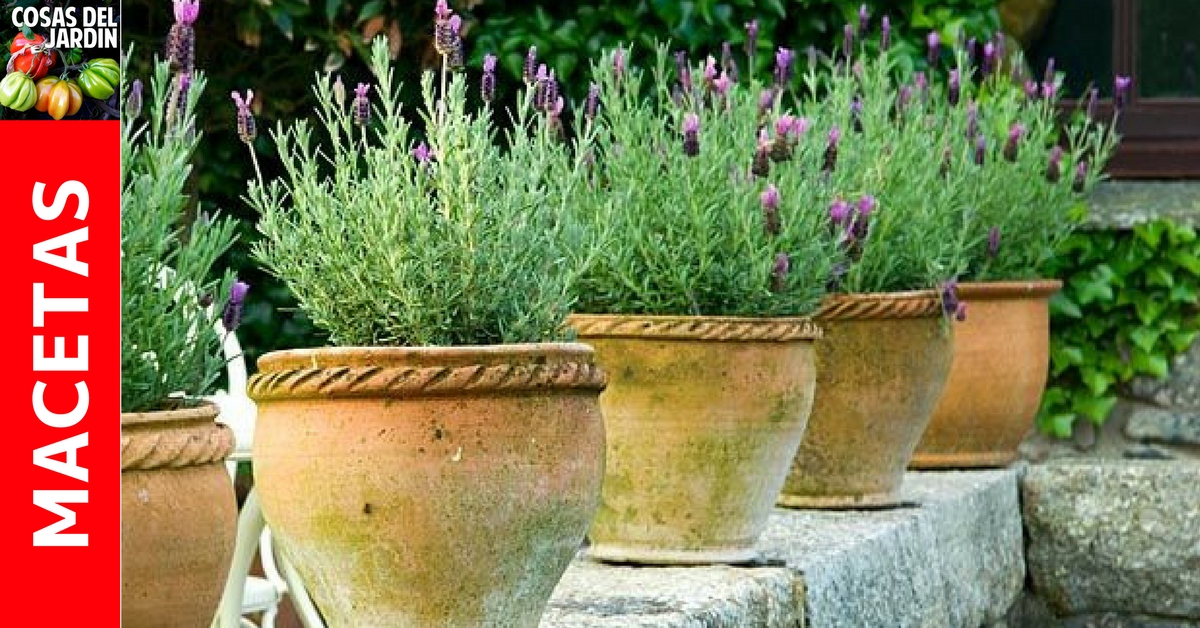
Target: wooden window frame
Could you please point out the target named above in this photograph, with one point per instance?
(1160, 136)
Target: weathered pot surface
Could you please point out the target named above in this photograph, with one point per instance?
(881, 368)
(704, 415)
(416, 487)
(178, 517)
(1001, 358)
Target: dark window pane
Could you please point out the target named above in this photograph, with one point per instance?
(1079, 37)
(1168, 48)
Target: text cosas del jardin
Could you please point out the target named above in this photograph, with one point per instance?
(71, 27)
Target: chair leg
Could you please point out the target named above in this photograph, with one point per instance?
(309, 616)
(250, 526)
(268, 617)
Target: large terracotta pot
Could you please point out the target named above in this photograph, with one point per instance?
(703, 416)
(996, 379)
(418, 487)
(881, 368)
(178, 517)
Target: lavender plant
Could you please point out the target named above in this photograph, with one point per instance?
(691, 206)
(170, 350)
(454, 240)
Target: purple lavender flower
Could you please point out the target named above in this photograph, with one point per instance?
(770, 204)
(1050, 76)
(799, 126)
(954, 89)
(779, 272)
(710, 71)
(751, 39)
(487, 84)
(856, 107)
(885, 34)
(781, 146)
(1121, 86)
(862, 222)
(186, 11)
(422, 154)
(933, 44)
(783, 67)
(972, 49)
(541, 86)
(231, 317)
(1048, 91)
(722, 84)
(783, 125)
(619, 63)
(998, 38)
(993, 242)
(133, 104)
(1093, 96)
(989, 58)
(761, 166)
(960, 312)
(839, 214)
(691, 135)
(980, 150)
(1031, 90)
(848, 41)
(972, 119)
(922, 84)
(246, 129)
(683, 71)
(362, 106)
(1054, 166)
(1081, 177)
(831, 150)
(766, 101)
(864, 18)
(947, 159)
(902, 97)
(950, 300)
(177, 104)
(592, 105)
(728, 65)
(1012, 144)
(441, 9)
(445, 29)
(528, 70)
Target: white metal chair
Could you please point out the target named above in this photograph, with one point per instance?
(245, 594)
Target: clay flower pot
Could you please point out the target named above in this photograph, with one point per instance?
(881, 368)
(996, 379)
(441, 486)
(178, 517)
(704, 415)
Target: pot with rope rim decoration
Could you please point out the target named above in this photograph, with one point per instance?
(881, 368)
(178, 517)
(430, 486)
(704, 415)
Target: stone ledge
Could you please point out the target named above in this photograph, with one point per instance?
(953, 559)
(1125, 204)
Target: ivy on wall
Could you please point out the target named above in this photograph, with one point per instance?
(1127, 308)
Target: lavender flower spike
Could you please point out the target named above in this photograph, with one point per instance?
(530, 67)
(864, 18)
(831, 150)
(442, 10)
(1013, 143)
(779, 272)
(362, 106)
(1054, 166)
(993, 242)
(722, 84)
(766, 100)
(770, 204)
(1121, 92)
(232, 315)
(1093, 96)
(933, 48)
(691, 135)
(761, 166)
(422, 154)
(133, 105)
(751, 38)
(783, 67)
(1081, 177)
(980, 150)
(950, 300)
(989, 58)
(955, 87)
(591, 106)
(246, 128)
(885, 34)
(839, 214)
(619, 63)
(683, 71)
(848, 41)
(487, 83)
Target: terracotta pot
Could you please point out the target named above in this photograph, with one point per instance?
(996, 379)
(703, 417)
(881, 368)
(178, 517)
(417, 487)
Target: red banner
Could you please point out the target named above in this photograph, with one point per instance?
(61, 322)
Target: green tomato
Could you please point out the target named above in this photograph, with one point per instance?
(95, 85)
(106, 69)
(18, 92)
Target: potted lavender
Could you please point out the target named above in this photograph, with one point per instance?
(888, 325)
(178, 510)
(1022, 193)
(440, 463)
(707, 253)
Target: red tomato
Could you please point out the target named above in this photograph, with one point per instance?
(30, 57)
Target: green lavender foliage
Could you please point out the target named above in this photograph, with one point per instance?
(382, 250)
(674, 234)
(1032, 215)
(169, 348)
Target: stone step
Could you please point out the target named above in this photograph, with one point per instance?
(950, 558)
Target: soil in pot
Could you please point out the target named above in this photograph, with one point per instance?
(1001, 358)
(703, 418)
(420, 487)
(178, 517)
(881, 367)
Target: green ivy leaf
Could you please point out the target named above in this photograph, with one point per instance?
(1189, 260)
(1063, 357)
(1148, 308)
(1184, 293)
(1062, 305)
(1096, 381)
(1145, 338)
(1153, 364)
(1096, 409)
